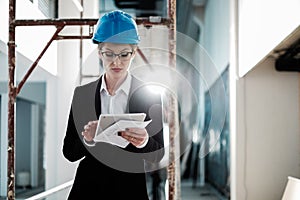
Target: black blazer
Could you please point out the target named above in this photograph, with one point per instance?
(104, 167)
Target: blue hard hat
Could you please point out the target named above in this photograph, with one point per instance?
(116, 27)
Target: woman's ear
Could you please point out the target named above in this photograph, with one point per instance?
(99, 50)
(100, 54)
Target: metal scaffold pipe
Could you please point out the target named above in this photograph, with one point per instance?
(173, 168)
(11, 103)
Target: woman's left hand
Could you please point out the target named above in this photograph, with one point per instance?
(136, 136)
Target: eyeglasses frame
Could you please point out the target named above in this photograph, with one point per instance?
(116, 55)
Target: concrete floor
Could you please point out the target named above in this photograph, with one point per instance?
(188, 192)
(199, 192)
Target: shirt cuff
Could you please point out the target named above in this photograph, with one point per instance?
(90, 144)
(144, 144)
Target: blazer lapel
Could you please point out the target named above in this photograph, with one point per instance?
(97, 98)
(132, 105)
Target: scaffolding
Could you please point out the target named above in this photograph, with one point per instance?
(60, 24)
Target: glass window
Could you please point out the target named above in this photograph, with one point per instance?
(48, 7)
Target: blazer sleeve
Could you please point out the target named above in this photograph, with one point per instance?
(154, 148)
(151, 104)
(82, 111)
(73, 148)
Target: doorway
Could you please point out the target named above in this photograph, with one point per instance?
(30, 134)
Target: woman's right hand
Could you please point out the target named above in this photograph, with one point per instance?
(90, 131)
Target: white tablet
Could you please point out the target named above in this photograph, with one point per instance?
(106, 120)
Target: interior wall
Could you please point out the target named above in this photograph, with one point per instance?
(268, 144)
(3, 147)
(4, 66)
(0, 131)
(216, 34)
(0, 123)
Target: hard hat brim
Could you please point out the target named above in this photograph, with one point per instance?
(125, 37)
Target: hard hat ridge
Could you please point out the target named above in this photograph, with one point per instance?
(116, 27)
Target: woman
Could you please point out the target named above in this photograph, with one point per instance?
(104, 167)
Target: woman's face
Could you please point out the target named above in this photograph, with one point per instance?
(116, 59)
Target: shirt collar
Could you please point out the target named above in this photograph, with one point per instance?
(125, 86)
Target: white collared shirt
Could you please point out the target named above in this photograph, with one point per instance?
(117, 103)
